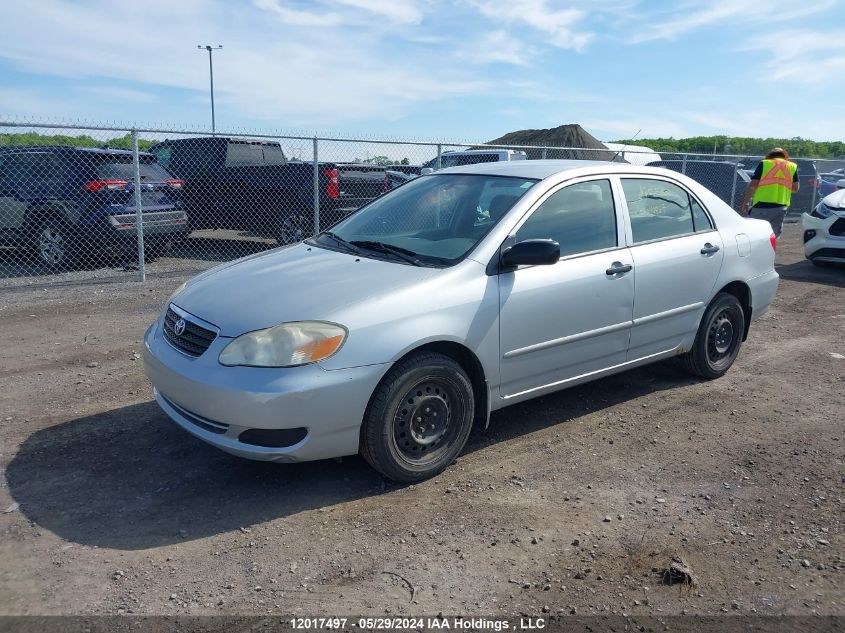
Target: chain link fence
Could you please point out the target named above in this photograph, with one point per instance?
(82, 202)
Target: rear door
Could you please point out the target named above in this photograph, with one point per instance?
(677, 255)
(561, 321)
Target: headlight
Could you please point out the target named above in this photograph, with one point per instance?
(285, 345)
(822, 211)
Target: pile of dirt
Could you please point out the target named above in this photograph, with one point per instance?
(571, 135)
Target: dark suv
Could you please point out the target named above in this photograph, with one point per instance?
(64, 202)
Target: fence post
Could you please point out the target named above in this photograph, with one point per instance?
(684, 165)
(544, 153)
(439, 154)
(139, 217)
(316, 190)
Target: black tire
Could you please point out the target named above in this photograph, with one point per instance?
(719, 338)
(419, 418)
(56, 243)
(293, 228)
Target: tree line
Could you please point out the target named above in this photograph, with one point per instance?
(742, 146)
(34, 138)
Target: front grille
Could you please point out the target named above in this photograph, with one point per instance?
(838, 228)
(193, 340)
(204, 423)
(829, 253)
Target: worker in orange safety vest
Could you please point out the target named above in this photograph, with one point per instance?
(771, 188)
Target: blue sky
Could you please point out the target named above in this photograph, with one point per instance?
(434, 69)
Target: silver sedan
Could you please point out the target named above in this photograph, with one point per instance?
(454, 295)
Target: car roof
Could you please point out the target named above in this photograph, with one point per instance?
(542, 169)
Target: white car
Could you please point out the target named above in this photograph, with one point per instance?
(824, 229)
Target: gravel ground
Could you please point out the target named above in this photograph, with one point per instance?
(572, 503)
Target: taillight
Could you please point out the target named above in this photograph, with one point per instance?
(333, 187)
(774, 241)
(98, 185)
(176, 183)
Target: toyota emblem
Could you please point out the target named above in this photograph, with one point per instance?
(179, 327)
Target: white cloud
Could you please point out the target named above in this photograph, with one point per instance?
(299, 17)
(282, 70)
(801, 56)
(695, 15)
(558, 25)
(401, 11)
(498, 47)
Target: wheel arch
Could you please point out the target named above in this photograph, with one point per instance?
(742, 292)
(470, 363)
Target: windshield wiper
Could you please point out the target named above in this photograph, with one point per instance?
(349, 246)
(397, 251)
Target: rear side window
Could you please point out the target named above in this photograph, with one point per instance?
(253, 155)
(121, 168)
(580, 217)
(661, 210)
(700, 220)
(35, 169)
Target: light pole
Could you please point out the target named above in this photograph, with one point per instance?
(210, 48)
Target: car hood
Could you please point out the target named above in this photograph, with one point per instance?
(836, 200)
(297, 283)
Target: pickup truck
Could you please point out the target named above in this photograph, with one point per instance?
(249, 185)
(396, 175)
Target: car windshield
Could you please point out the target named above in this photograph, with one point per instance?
(432, 220)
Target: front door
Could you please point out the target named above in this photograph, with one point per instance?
(561, 321)
(677, 255)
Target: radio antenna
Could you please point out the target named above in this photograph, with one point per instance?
(630, 139)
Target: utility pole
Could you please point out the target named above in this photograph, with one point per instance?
(210, 48)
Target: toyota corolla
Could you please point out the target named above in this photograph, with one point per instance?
(454, 295)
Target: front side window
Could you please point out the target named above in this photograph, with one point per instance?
(659, 209)
(438, 218)
(580, 217)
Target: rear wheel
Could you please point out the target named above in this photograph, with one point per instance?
(56, 244)
(719, 338)
(419, 418)
(293, 228)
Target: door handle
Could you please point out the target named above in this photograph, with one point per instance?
(617, 268)
(709, 249)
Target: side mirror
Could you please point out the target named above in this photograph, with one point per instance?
(425, 171)
(531, 253)
(841, 183)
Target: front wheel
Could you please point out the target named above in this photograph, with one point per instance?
(719, 338)
(419, 418)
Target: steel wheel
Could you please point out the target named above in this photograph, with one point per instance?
(423, 422)
(419, 417)
(719, 338)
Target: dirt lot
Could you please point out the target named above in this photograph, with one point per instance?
(569, 503)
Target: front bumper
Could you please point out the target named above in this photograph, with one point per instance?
(217, 404)
(819, 244)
